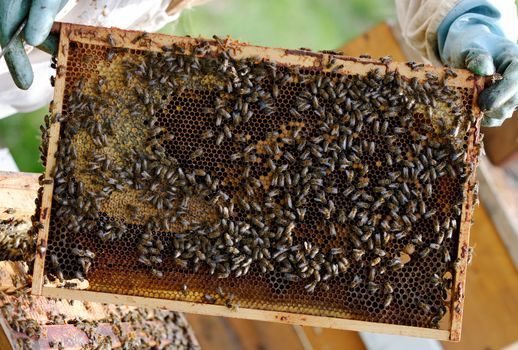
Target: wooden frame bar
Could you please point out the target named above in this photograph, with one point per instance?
(154, 42)
(461, 264)
(250, 314)
(46, 201)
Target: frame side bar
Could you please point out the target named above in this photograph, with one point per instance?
(46, 200)
(251, 314)
(461, 264)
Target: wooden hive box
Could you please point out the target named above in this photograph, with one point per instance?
(220, 178)
(28, 322)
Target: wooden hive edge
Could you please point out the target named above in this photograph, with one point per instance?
(48, 189)
(461, 264)
(134, 40)
(250, 314)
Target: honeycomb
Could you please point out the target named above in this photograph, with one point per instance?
(199, 172)
(34, 323)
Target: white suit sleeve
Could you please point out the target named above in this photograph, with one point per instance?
(147, 15)
(420, 19)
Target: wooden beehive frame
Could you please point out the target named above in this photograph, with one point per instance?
(153, 42)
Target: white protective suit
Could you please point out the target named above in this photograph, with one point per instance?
(149, 15)
(419, 20)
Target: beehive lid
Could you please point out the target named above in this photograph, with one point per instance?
(216, 177)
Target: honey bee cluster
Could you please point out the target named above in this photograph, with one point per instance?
(15, 243)
(135, 328)
(201, 169)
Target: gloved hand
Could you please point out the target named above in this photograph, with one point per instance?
(471, 36)
(41, 14)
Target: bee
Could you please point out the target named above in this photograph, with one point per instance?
(384, 127)
(220, 138)
(139, 37)
(235, 156)
(436, 225)
(409, 249)
(388, 159)
(42, 248)
(144, 260)
(275, 91)
(54, 260)
(436, 280)
(386, 59)
(219, 119)
(449, 233)
(352, 213)
(371, 148)
(155, 259)
(372, 287)
(430, 213)
(372, 274)
(332, 229)
(358, 254)
(446, 255)
(79, 276)
(425, 307)
(196, 154)
(416, 66)
(301, 212)
(184, 289)
(209, 299)
(110, 39)
(310, 287)
(295, 113)
(388, 300)
(207, 134)
(435, 246)
(422, 207)
(227, 132)
(375, 261)
(377, 204)
(440, 238)
(157, 273)
(78, 252)
(85, 264)
(428, 190)
(220, 292)
(453, 223)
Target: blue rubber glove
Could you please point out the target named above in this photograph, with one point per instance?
(41, 16)
(471, 37)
